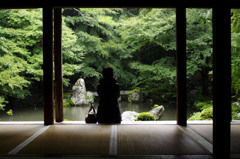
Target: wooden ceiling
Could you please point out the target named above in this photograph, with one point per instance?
(118, 3)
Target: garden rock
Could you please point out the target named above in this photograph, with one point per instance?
(90, 94)
(79, 96)
(236, 104)
(129, 116)
(135, 97)
(132, 115)
(238, 114)
(157, 112)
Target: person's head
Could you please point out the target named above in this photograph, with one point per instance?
(108, 72)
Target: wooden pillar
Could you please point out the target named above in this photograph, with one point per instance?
(58, 64)
(222, 80)
(48, 65)
(181, 66)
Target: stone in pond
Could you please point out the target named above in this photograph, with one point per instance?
(157, 112)
(129, 116)
(79, 96)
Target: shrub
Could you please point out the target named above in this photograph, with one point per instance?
(235, 111)
(204, 105)
(195, 116)
(68, 102)
(10, 112)
(205, 114)
(145, 117)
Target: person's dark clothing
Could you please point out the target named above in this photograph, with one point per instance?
(108, 109)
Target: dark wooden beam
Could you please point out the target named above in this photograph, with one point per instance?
(48, 65)
(116, 3)
(222, 80)
(181, 66)
(107, 3)
(18, 4)
(58, 64)
(234, 4)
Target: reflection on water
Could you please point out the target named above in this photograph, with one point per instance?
(23, 114)
(79, 113)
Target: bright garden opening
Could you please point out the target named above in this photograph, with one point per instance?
(139, 43)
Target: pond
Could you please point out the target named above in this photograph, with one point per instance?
(79, 113)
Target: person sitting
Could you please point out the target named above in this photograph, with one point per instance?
(109, 92)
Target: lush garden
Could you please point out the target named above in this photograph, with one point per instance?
(140, 44)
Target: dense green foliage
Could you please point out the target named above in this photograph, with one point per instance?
(140, 44)
(151, 38)
(207, 113)
(21, 57)
(235, 51)
(235, 112)
(204, 104)
(144, 116)
(20, 52)
(199, 50)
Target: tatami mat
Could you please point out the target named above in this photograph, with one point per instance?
(235, 139)
(105, 140)
(71, 139)
(207, 132)
(155, 140)
(13, 135)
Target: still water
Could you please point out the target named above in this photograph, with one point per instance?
(79, 113)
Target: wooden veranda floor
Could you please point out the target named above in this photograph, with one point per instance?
(110, 141)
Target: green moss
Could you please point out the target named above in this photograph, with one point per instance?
(145, 117)
(155, 105)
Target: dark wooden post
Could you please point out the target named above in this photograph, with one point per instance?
(181, 66)
(222, 80)
(48, 65)
(58, 64)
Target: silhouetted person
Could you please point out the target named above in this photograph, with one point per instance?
(109, 92)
